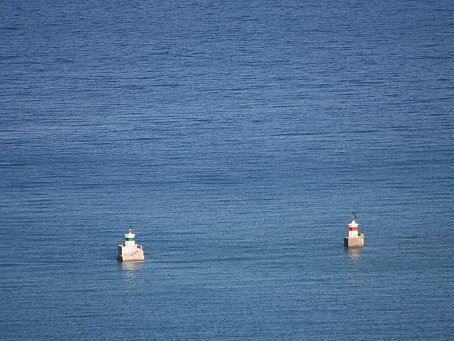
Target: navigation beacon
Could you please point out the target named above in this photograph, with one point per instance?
(130, 251)
(354, 238)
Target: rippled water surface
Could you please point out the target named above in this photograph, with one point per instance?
(235, 138)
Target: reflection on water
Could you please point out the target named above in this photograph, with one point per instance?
(131, 269)
(131, 266)
(354, 254)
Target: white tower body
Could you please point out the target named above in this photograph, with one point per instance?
(353, 229)
(129, 239)
(130, 251)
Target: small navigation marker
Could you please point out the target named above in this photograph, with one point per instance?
(354, 238)
(130, 251)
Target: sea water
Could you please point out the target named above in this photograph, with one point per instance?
(235, 138)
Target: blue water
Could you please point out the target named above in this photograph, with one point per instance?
(235, 138)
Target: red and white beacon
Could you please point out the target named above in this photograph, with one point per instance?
(354, 238)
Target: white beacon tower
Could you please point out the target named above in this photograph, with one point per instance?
(354, 238)
(130, 251)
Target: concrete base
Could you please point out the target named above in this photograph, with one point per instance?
(126, 253)
(354, 242)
